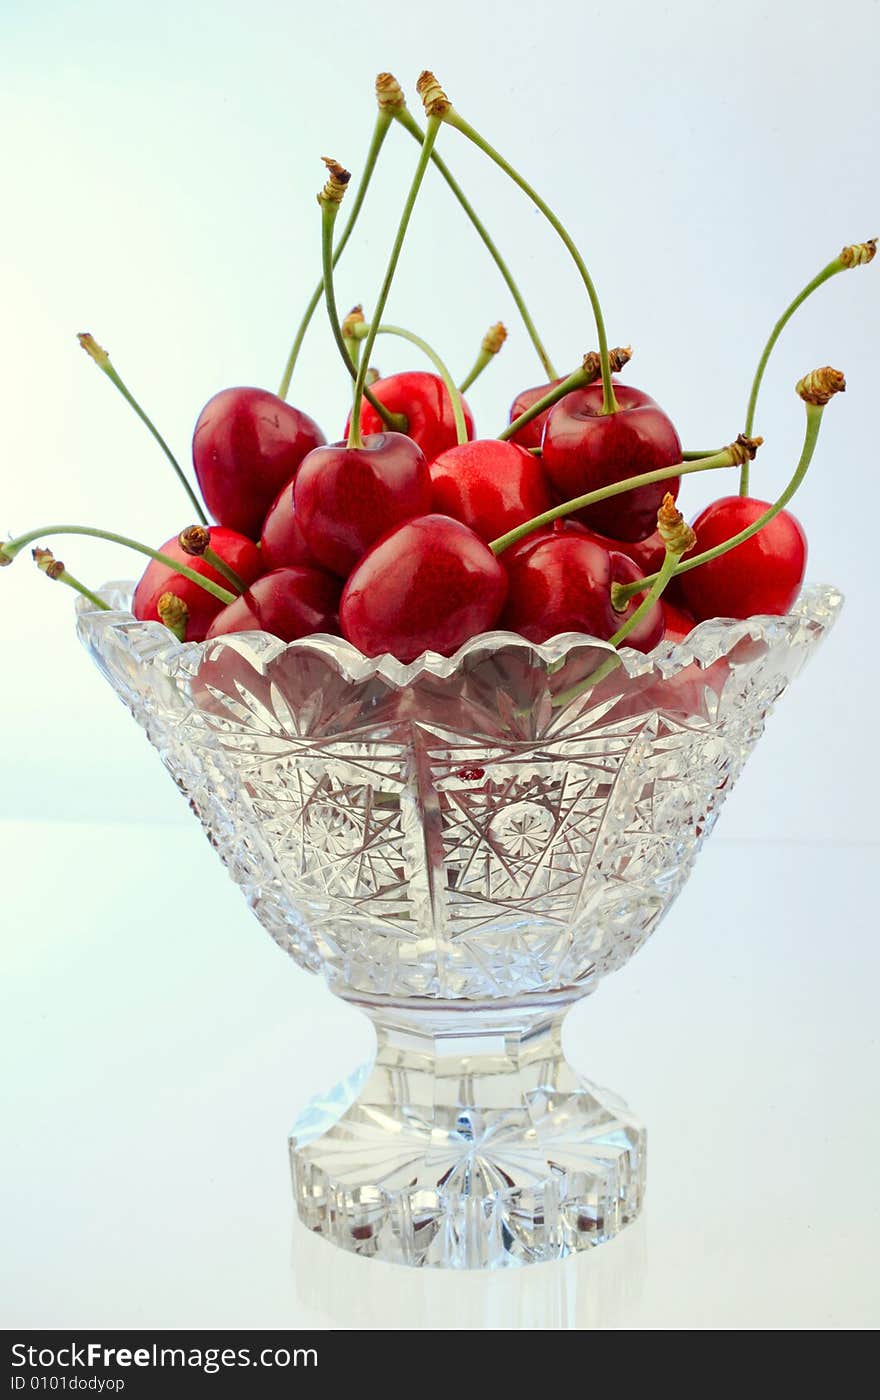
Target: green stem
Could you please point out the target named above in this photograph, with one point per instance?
(667, 569)
(102, 360)
(10, 548)
(696, 455)
(454, 393)
(814, 420)
(65, 577)
(609, 403)
(837, 265)
(409, 123)
(211, 557)
(612, 662)
(383, 121)
(519, 532)
(360, 383)
(576, 380)
(394, 422)
(483, 359)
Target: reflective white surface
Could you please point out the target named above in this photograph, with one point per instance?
(160, 1045)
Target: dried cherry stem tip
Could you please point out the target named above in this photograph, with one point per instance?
(337, 182)
(731, 456)
(491, 344)
(820, 385)
(101, 358)
(589, 371)
(438, 107)
(389, 94)
(174, 613)
(196, 540)
(54, 569)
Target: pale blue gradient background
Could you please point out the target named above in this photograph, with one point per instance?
(158, 179)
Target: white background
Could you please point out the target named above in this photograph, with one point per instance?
(159, 173)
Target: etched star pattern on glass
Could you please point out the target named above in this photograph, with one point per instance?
(462, 847)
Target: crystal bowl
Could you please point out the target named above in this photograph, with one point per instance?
(463, 847)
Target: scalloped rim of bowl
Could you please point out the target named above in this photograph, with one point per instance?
(817, 605)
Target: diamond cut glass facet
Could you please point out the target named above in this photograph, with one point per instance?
(453, 842)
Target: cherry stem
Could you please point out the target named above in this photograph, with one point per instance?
(490, 348)
(727, 458)
(360, 383)
(394, 422)
(409, 123)
(10, 548)
(612, 662)
(453, 391)
(696, 455)
(854, 255)
(383, 122)
(588, 373)
(665, 573)
(609, 403)
(102, 360)
(622, 592)
(576, 380)
(211, 557)
(57, 572)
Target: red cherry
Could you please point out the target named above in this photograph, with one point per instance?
(347, 497)
(282, 542)
(530, 435)
(239, 553)
(289, 603)
(648, 553)
(564, 526)
(247, 443)
(584, 449)
(489, 485)
(563, 584)
(425, 400)
(429, 585)
(762, 575)
(676, 622)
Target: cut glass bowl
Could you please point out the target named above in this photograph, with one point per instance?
(462, 847)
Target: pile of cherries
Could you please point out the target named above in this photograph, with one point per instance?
(412, 540)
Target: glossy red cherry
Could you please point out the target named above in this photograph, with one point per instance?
(490, 486)
(530, 435)
(648, 553)
(240, 553)
(564, 526)
(584, 449)
(425, 400)
(247, 443)
(563, 584)
(429, 585)
(282, 542)
(289, 603)
(346, 497)
(676, 622)
(762, 575)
